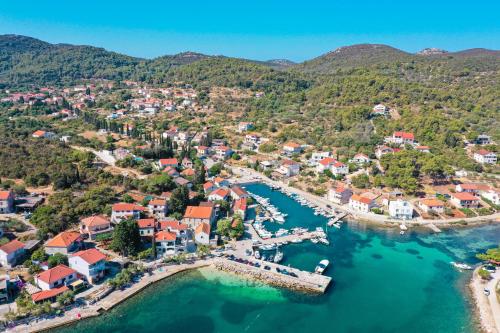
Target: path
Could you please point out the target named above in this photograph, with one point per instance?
(488, 306)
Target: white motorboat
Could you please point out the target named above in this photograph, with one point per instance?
(296, 240)
(278, 257)
(323, 264)
(461, 265)
(257, 255)
(337, 225)
(314, 240)
(324, 241)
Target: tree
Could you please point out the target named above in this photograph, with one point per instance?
(66, 298)
(179, 200)
(57, 259)
(203, 250)
(232, 228)
(490, 255)
(126, 238)
(215, 169)
(361, 181)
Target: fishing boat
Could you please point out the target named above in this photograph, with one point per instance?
(461, 265)
(323, 264)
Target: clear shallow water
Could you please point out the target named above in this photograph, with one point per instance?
(384, 282)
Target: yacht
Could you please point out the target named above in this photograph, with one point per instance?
(324, 241)
(323, 264)
(257, 255)
(461, 265)
(278, 257)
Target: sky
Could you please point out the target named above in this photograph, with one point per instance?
(260, 30)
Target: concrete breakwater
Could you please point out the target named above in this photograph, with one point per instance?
(305, 281)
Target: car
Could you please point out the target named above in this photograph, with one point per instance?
(278, 270)
(486, 292)
(267, 268)
(293, 274)
(257, 264)
(490, 268)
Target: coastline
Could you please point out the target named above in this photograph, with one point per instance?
(486, 309)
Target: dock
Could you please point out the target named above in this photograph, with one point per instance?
(433, 227)
(304, 280)
(337, 218)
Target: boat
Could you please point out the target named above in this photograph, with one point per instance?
(403, 227)
(257, 255)
(401, 232)
(461, 265)
(323, 264)
(278, 257)
(296, 240)
(337, 225)
(314, 240)
(324, 241)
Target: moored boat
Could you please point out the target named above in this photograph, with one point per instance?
(323, 264)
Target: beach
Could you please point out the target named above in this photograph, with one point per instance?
(487, 307)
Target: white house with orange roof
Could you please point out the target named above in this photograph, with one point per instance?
(220, 194)
(339, 169)
(325, 164)
(209, 187)
(464, 200)
(89, 263)
(122, 211)
(55, 277)
(146, 227)
(202, 234)
(166, 243)
(158, 207)
(361, 203)
(339, 195)
(401, 138)
(64, 243)
(195, 215)
(289, 168)
(223, 152)
(430, 205)
(360, 159)
(484, 156)
(165, 162)
(11, 253)
(95, 225)
(292, 148)
(473, 188)
(238, 192)
(6, 202)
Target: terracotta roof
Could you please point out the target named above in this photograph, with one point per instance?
(465, 196)
(238, 190)
(165, 236)
(47, 294)
(172, 225)
(291, 145)
(64, 239)
(203, 227)
(168, 161)
(54, 274)
(12, 246)
(221, 192)
(404, 135)
(122, 206)
(4, 195)
(96, 220)
(146, 223)
(483, 152)
(197, 212)
(158, 202)
(358, 155)
(327, 161)
(188, 172)
(240, 204)
(90, 256)
(208, 185)
(431, 202)
(289, 162)
(361, 199)
(39, 133)
(474, 186)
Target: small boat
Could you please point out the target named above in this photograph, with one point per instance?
(337, 225)
(461, 265)
(401, 232)
(323, 264)
(314, 240)
(296, 240)
(257, 255)
(403, 227)
(278, 257)
(324, 241)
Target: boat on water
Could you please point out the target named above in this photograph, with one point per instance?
(323, 264)
(296, 240)
(461, 266)
(337, 225)
(257, 255)
(314, 240)
(324, 241)
(278, 257)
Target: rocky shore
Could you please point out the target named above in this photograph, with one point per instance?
(487, 307)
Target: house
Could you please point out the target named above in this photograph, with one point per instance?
(244, 126)
(122, 211)
(209, 187)
(400, 209)
(56, 277)
(202, 151)
(166, 243)
(339, 168)
(361, 204)
(220, 194)
(429, 205)
(292, 148)
(165, 162)
(65, 243)
(383, 150)
(240, 207)
(464, 200)
(195, 215)
(173, 226)
(485, 157)
(6, 202)
(401, 138)
(171, 171)
(183, 182)
(289, 168)
(43, 134)
(11, 253)
(202, 234)
(339, 195)
(491, 195)
(483, 139)
(4, 288)
(423, 149)
(318, 156)
(360, 159)
(223, 152)
(221, 182)
(48, 295)
(158, 207)
(95, 225)
(90, 263)
(146, 227)
(187, 163)
(325, 164)
(473, 188)
(188, 172)
(237, 192)
(380, 110)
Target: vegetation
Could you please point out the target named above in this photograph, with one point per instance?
(126, 238)
(231, 227)
(490, 255)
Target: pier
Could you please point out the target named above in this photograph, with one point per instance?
(433, 227)
(337, 218)
(303, 281)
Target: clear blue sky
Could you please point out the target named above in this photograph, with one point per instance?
(255, 29)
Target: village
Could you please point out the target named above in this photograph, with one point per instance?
(193, 204)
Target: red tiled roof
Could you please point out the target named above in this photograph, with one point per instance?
(158, 202)
(55, 274)
(208, 185)
(431, 202)
(240, 204)
(90, 256)
(404, 135)
(172, 225)
(64, 239)
(473, 186)
(203, 227)
(291, 145)
(47, 294)
(483, 152)
(238, 190)
(327, 161)
(361, 199)
(4, 195)
(39, 133)
(168, 161)
(465, 196)
(188, 172)
(12, 246)
(146, 223)
(95, 220)
(165, 236)
(221, 192)
(198, 212)
(122, 206)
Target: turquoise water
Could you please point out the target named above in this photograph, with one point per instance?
(384, 283)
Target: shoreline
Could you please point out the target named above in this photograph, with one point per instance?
(369, 219)
(487, 313)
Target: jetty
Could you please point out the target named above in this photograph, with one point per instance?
(276, 274)
(433, 227)
(337, 217)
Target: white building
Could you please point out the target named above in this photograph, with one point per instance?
(244, 126)
(360, 159)
(11, 253)
(90, 263)
(491, 195)
(6, 202)
(158, 207)
(485, 157)
(123, 211)
(202, 234)
(289, 168)
(318, 156)
(400, 209)
(339, 195)
(361, 204)
(380, 110)
(56, 277)
(401, 138)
